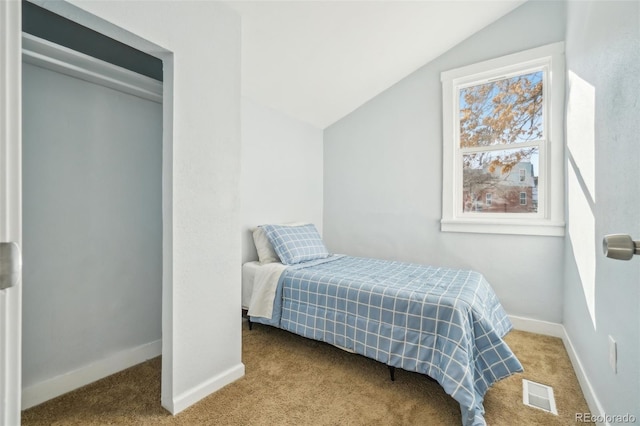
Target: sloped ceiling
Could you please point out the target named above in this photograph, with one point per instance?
(319, 60)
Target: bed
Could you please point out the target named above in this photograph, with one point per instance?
(444, 323)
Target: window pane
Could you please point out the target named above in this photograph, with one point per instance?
(504, 111)
(510, 176)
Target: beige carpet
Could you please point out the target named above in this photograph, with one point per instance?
(295, 381)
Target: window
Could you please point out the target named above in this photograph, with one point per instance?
(502, 140)
(523, 198)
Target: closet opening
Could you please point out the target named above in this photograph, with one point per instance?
(95, 205)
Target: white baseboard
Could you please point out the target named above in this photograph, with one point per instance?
(589, 393)
(545, 328)
(558, 330)
(56, 386)
(195, 394)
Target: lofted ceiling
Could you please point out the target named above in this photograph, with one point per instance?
(319, 60)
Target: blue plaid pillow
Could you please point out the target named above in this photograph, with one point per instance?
(296, 244)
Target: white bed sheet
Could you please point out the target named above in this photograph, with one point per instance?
(248, 277)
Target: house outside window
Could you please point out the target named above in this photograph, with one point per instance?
(503, 144)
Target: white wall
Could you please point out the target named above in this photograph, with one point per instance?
(383, 177)
(602, 296)
(281, 171)
(200, 45)
(92, 200)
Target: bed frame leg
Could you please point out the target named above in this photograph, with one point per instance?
(392, 373)
(245, 314)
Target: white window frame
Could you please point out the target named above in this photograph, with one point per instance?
(549, 220)
(488, 198)
(523, 175)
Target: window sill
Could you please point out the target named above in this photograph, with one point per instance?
(510, 227)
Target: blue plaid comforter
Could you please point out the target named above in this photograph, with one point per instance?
(446, 323)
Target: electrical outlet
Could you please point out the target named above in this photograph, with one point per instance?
(613, 354)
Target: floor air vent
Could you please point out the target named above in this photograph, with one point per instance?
(538, 396)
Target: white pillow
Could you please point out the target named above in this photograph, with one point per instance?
(266, 253)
